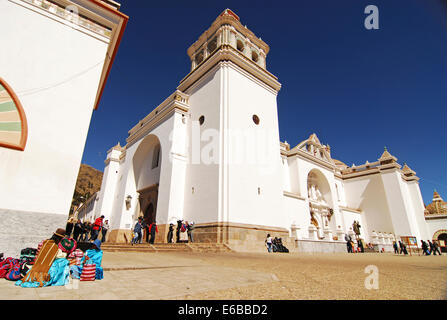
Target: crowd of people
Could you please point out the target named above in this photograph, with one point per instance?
(356, 247)
(275, 244)
(183, 232)
(55, 261)
(430, 248)
(86, 231)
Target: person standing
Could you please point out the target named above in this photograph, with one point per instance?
(84, 231)
(153, 229)
(432, 248)
(396, 249)
(105, 228)
(88, 231)
(177, 233)
(403, 247)
(424, 247)
(145, 230)
(171, 233)
(190, 230)
(360, 242)
(436, 247)
(269, 243)
(348, 243)
(69, 227)
(96, 228)
(137, 232)
(77, 230)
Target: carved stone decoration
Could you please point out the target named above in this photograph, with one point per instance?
(356, 226)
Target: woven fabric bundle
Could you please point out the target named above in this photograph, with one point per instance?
(45, 258)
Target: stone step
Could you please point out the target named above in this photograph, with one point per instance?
(166, 247)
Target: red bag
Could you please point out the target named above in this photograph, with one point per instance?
(88, 272)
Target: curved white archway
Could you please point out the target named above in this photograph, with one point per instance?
(320, 202)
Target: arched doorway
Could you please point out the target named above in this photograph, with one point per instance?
(441, 237)
(149, 214)
(147, 164)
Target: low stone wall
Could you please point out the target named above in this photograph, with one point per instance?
(320, 246)
(21, 229)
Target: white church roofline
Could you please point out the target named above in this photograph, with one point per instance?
(176, 102)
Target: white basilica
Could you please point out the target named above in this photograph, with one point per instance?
(211, 153)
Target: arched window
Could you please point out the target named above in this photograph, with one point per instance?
(240, 45)
(199, 57)
(212, 45)
(254, 56)
(13, 124)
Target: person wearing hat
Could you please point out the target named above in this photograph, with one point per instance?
(170, 232)
(92, 256)
(58, 235)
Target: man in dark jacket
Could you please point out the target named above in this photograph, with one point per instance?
(348, 240)
(153, 229)
(436, 248)
(77, 230)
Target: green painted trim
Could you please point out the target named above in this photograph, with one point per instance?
(10, 126)
(8, 106)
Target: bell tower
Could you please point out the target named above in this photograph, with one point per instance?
(234, 120)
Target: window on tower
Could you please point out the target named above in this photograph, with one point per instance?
(256, 119)
(254, 56)
(240, 45)
(212, 45)
(199, 57)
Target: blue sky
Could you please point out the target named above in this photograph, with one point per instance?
(359, 90)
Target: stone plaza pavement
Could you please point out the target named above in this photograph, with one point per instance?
(257, 276)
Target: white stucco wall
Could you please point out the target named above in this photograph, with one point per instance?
(255, 181)
(368, 194)
(48, 64)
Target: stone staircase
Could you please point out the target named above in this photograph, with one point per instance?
(166, 247)
(210, 247)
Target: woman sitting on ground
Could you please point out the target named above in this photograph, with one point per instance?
(92, 256)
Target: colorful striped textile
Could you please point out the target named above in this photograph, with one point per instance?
(13, 124)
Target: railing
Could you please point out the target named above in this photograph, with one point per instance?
(61, 12)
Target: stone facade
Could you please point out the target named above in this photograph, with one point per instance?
(21, 229)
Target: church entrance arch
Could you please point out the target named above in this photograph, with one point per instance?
(147, 164)
(320, 203)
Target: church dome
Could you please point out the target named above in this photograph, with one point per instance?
(438, 205)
